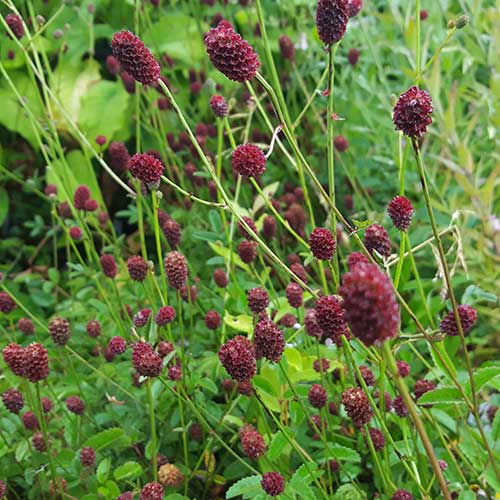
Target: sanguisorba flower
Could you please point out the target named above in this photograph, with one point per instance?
(249, 160)
(370, 305)
(135, 58)
(147, 169)
(467, 315)
(230, 53)
(331, 20)
(412, 112)
(400, 211)
(238, 358)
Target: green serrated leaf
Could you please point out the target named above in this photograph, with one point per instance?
(441, 395)
(128, 471)
(242, 322)
(482, 377)
(248, 487)
(343, 453)
(277, 445)
(103, 470)
(110, 438)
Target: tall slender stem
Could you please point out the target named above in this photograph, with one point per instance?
(152, 426)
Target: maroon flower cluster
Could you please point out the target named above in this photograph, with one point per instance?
(165, 315)
(468, 317)
(7, 304)
(401, 211)
(331, 20)
(402, 495)
(220, 278)
(317, 396)
(81, 196)
(147, 169)
(93, 328)
(258, 300)
(370, 305)
(273, 483)
(269, 340)
(75, 405)
(13, 400)
(135, 58)
(322, 243)
(137, 268)
(15, 23)
(117, 345)
(412, 112)
(357, 406)
(287, 48)
(218, 105)
(212, 319)
(87, 457)
(294, 294)
(230, 53)
(152, 491)
(376, 238)
(146, 361)
(353, 7)
(238, 358)
(60, 330)
(119, 157)
(330, 317)
(252, 442)
(176, 269)
(108, 265)
(249, 160)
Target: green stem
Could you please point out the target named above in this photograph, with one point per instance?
(152, 426)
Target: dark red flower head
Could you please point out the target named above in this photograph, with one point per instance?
(220, 278)
(147, 169)
(330, 317)
(412, 112)
(287, 48)
(165, 315)
(370, 305)
(141, 317)
(135, 58)
(273, 483)
(247, 251)
(258, 299)
(218, 105)
(147, 362)
(238, 358)
(400, 407)
(311, 324)
(7, 304)
(376, 238)
(152, 491)
(118, 156)
(377, 437)
(294, 294)
(402, 495)
(331, 20)
(252, 442)
(108, 265)
(322, 243)
(172, 231)
(137, 268)
(13, 355)
(93, 328)
(269, 227)
(357, 406)
(468, 317)
(353, 56)
(243, 231)
(176, 269)
(87, 457)
(13, 400)
(401, 211)
(75, 405)
(422, 386)
(249, 160)
(81, 195)
(269, 340)
(60, 330)
(353, 7)
(15, 23)
(230, 53)
(117, 345)
(356, 258)
(317, 396)
(212, 319)
(340, 143)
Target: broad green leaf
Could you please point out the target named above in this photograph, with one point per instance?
(225, 252)
(277, 445)
(103, 469)
(110, 438)
(343, 453)
(441, 395)
(248, 487)
(482, 377)
(442, 359)
(495, 427)
(128, 471)
(347, 492)
(242, 323)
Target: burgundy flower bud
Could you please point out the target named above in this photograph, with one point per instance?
(75, 233)
(135, 58)
(176, 269)
(321, 365)
(367, 375)
(165, 315)
(172, 231)
(377, 437)
(387, 400)
(60, 330)
(249, 160)
(64, 210)
(87, 457)
(294, 294)
(355, 258)
(108, 265)
(247, 251)
(421, 387)
(403, 368)
(218, 105)
(50, 190)
(402, 495)
(273, 483)
(242, 230)
(238, 358)
(15, 23)
(269, 340)
(189, 294)
(330, 317)
(370, 305)
(38, 442)
(100, 140)
(164, 348)
(252, 442)
(286, 47)
(93, 328)
(340, 143)
(112, 65)
(117, 345)
(13, 355)
(412, 112)
(118, 156)
(269, 227)
(376, 238)
(30, 421)
(299, 271)
(468, 317)
(174, 373)
(401, 211)
(147, 362)
(147, 169)
(13, 400)
(26, 326)
(230, 53)
(128, 82)
(353, 7)
(258, 300)
(81, 195)
(357, 406)
(137, 268)
(400, 407)
(220, 278)
(212, 319)
(91, 206)
(47, 405)
(317, 396)
(353, 56)
(322, 243)
(75, 405)
(331, 20)
(311, 324)
(141, 317)
(152, 491)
